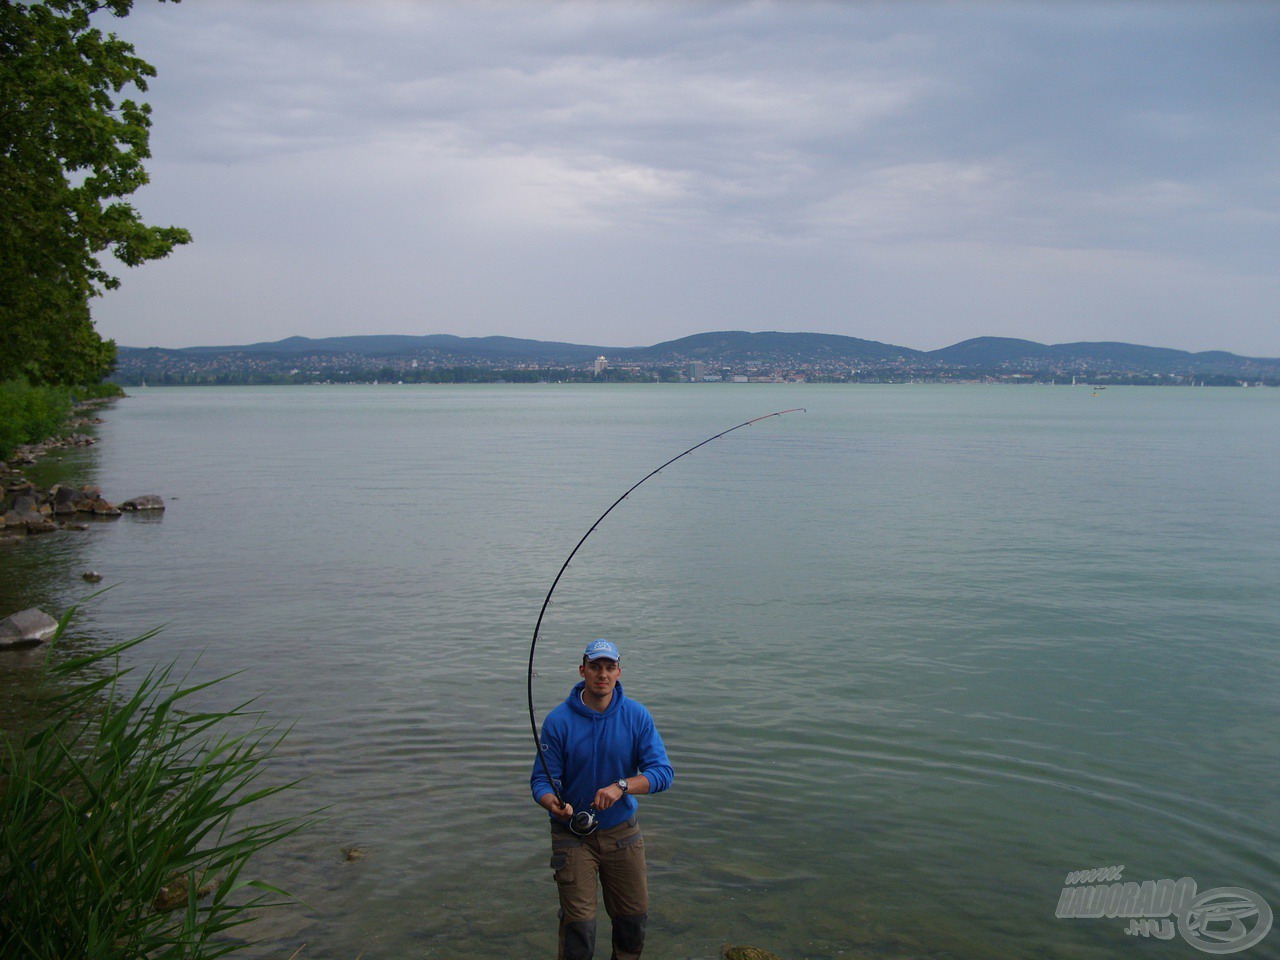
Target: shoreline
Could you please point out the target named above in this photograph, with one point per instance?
(27, 454)
(28, 509)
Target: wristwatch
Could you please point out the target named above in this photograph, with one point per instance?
(622, 785)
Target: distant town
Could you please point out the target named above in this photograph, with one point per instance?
(723, 357)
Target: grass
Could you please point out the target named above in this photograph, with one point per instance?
(31, 414)
(126, 819)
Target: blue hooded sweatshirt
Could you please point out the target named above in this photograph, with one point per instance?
(586, 749)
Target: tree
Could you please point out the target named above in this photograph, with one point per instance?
(68, 154)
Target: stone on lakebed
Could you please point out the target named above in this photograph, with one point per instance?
(149, 501)
(26, 627)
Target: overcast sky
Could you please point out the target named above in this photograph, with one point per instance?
(623, 173)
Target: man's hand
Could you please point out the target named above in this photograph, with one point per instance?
(606, 797)
(557, 808)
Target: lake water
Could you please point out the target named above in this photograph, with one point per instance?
(917, 653)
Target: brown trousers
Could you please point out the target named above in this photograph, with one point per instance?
(616, 857)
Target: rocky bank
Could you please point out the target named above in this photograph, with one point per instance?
(27, 510)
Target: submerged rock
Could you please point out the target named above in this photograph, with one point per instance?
(731, 952)
(148, 501)
(27, 627)
(177, 891)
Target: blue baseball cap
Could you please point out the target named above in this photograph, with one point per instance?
(598, 649)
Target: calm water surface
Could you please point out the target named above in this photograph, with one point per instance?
(917, 653)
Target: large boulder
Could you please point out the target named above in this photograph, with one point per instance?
(64, 499)
(14, 519)
(26, 627)
(98, 507)
(26, 515)
(26, 503)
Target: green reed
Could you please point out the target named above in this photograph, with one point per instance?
(30, 414)
(127, 820)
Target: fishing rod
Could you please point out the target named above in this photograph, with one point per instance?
(584, 821)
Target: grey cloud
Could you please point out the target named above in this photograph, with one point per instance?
(754, 162)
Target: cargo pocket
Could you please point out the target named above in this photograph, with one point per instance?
(561, 861)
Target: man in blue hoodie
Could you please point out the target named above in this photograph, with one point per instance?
(602, 750)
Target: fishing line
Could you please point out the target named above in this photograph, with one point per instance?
(584, 820)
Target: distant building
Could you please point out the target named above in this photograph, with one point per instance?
(601, 365)
(697, 370)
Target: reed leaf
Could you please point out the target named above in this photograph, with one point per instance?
(127, 823)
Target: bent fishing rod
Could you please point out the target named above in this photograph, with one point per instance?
(584, 821)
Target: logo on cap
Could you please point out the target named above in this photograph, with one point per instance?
(598, 649)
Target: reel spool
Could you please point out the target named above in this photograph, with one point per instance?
(584, 823)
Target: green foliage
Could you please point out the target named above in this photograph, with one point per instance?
(97, 391)
(68, 153)
(30, 414)
(123, 821)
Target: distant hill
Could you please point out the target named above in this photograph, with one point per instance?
(395, 345)
(1002, 351)
(722, 346)
(768, 354)
(735, 346)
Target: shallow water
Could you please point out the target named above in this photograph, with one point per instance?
(917, 653)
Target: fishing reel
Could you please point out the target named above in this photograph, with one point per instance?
(584, 823)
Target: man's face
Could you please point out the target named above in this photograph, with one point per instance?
(601, 676)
